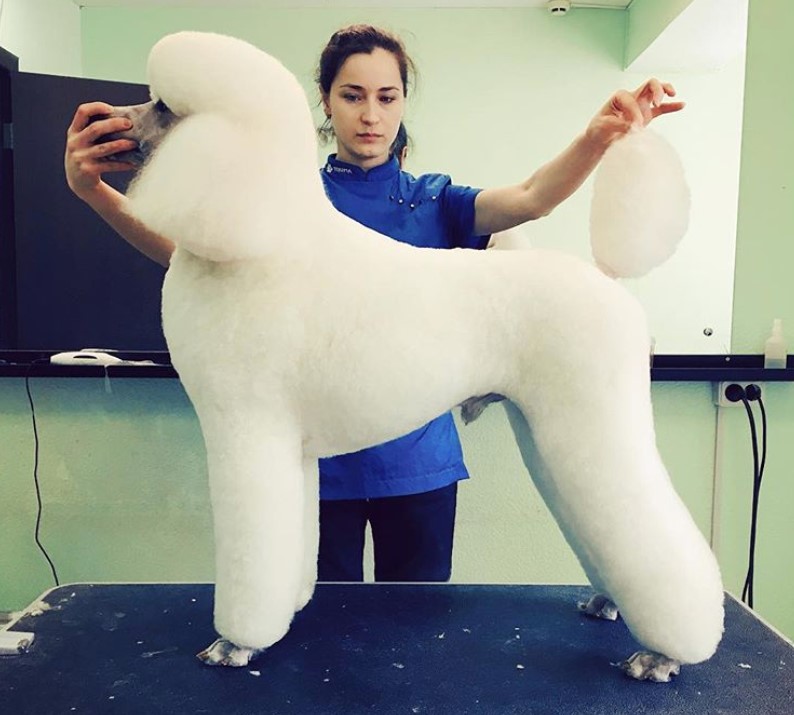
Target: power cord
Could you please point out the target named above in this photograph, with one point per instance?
(752, 393)
(40, 508)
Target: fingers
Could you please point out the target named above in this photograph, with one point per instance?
(646, 102)
(84, 113)
(669, 107)
(105, 149)
(94, 158)
(668, 88)
(104, 155)
(84, 147)
(652, 94)
(625, 105)
(114, 166)
(90, 123)
(92, 131)
(86, 155)
(626, 111)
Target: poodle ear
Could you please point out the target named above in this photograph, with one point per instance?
(195, 190)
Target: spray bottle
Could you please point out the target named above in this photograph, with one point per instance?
(775, 347)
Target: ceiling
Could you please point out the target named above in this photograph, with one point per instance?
(608, 4)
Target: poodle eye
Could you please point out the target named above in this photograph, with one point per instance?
(161, 106)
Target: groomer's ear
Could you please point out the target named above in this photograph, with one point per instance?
(326, 106)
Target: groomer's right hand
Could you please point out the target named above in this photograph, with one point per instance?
(85, 160)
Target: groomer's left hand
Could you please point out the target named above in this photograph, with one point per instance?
(632, 110)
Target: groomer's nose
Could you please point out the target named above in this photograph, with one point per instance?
(370, 113)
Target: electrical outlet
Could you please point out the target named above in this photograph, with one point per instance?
(719, 392)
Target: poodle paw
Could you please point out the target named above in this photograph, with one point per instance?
(223, 652)
(646, 665)
(600, 607)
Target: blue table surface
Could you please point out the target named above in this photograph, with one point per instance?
(376, 648)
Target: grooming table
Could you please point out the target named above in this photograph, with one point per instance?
(375, 648)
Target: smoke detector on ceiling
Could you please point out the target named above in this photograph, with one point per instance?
(558, 7)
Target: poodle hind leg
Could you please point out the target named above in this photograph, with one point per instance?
(642, 665)
(614, 503)
(256, 488)
(585, 432)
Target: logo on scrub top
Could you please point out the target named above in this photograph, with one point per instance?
(329, 168)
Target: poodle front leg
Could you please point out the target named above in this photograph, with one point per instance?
(256, 487)
(311, 530)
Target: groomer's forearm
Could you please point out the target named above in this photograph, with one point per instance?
(555, 181)
(502, 208)
(112, 207)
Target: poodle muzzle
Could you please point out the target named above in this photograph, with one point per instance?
(151, 121)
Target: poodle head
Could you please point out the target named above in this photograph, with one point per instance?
(228, 147)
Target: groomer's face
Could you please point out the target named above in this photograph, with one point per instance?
(365, 105)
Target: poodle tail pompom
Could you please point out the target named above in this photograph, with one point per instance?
(640, 206)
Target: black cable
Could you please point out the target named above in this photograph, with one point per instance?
(40, 508)
(758, 474)
(763, 440)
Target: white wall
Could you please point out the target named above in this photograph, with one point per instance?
(44, 34)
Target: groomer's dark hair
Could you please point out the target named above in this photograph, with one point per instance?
(358, 39)
(400, 143)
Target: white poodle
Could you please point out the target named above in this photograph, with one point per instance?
(299, 333)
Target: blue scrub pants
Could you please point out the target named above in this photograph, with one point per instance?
(412, 536)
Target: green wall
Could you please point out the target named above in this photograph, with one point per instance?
(764, 290)
(121, 464)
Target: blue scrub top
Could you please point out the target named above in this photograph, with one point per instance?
(427, 211)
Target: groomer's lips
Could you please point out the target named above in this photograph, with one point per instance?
(369, 138)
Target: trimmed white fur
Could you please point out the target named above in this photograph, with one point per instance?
(299, 333)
